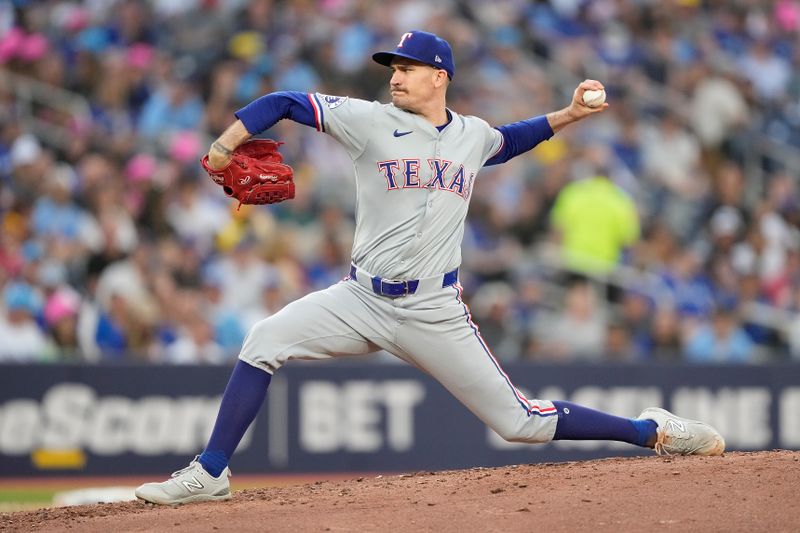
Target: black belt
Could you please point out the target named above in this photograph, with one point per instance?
(395, 288)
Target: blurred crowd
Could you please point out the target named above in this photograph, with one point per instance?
(670, 244)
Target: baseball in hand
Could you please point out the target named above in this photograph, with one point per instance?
(593, 98)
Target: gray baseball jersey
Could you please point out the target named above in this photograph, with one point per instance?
(414, 184)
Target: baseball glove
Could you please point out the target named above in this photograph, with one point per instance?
(255, 174)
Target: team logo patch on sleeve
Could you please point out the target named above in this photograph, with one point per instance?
(333, 101)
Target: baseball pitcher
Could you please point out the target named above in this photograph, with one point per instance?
(415, 163)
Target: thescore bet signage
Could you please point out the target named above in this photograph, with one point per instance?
(355, 417)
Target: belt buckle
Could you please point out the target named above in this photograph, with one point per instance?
(394, 282)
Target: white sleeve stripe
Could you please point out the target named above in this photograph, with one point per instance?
(317, 111)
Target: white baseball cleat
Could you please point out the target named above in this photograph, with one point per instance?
(191, 484)
(681, 436)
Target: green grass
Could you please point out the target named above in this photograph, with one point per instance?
(25, 499)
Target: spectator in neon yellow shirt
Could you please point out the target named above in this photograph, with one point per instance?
(596, 221)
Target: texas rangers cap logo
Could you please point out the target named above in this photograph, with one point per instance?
(403, 38)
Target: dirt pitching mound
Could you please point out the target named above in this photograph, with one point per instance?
(737, 492)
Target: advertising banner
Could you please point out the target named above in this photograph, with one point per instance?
(347, 417)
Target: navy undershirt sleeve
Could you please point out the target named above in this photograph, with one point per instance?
(262, 113)
(519, 137)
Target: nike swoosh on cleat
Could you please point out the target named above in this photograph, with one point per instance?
(401, 133)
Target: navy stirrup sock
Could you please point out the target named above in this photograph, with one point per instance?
(576, 422)
(241, 402)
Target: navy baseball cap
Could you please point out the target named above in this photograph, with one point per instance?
(423, 47)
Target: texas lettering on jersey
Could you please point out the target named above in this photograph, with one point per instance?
(443, 175)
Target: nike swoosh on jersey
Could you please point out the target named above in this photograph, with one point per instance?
(401, 133)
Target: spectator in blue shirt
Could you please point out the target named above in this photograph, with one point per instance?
(723, 340)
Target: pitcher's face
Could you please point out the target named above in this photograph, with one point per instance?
(413, 83)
